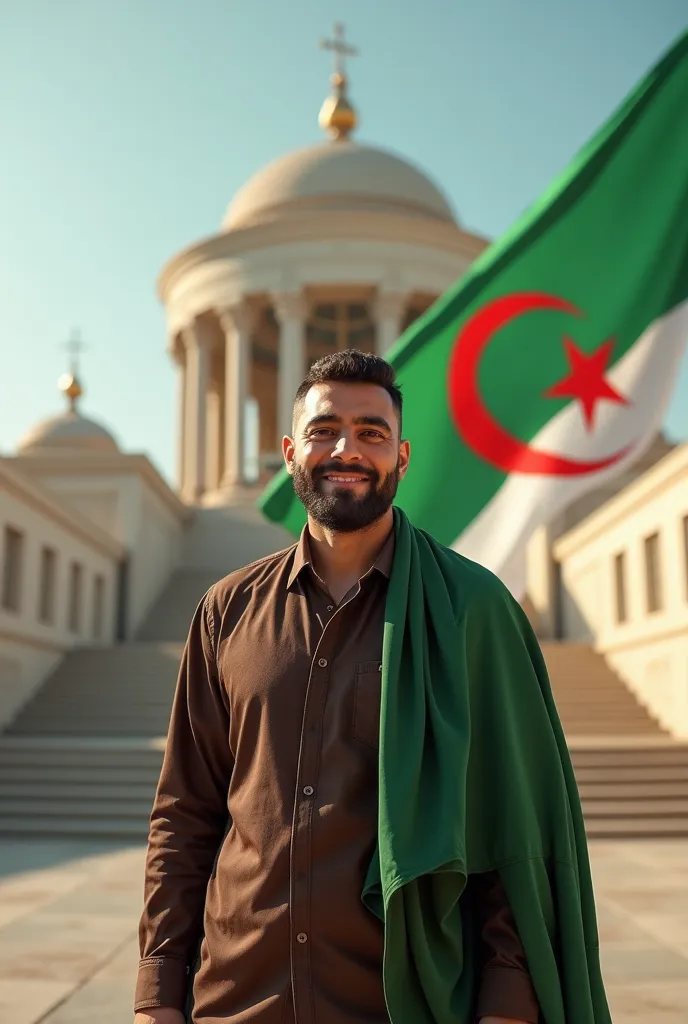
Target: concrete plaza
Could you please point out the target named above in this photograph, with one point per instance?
(69, 911)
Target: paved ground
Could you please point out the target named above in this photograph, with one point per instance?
(68, 914)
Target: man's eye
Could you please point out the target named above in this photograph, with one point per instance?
(372, 433)
(320, 430)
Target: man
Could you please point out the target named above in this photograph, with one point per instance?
(331, 863)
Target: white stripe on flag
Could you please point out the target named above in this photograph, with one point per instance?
(645, 375)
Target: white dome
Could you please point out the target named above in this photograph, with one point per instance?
(338, 175)
(69, 432)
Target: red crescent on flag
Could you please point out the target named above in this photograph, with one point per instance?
(473, 420)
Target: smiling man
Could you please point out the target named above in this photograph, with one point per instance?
(363, 802)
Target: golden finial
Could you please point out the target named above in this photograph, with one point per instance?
(69, 383)
(337, 116)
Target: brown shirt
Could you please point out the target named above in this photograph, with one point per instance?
(265, 817)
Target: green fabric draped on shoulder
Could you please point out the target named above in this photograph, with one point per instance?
(475, 775)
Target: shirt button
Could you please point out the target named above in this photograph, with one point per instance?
(302, 937)
(308, 791)
(322, 662)
(330, 607)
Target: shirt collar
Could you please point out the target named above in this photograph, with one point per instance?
(302, 557)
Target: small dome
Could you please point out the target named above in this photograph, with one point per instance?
(339, 175)
(70, 432)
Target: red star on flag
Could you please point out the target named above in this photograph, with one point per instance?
(586, 381)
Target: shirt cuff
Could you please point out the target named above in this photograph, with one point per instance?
(507, 992)
(162, 981)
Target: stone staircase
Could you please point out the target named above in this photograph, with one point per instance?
(124, 690)
(590, 697)
(170, 616)
(223, 539)
(632, 776)
(218, 541)
(84, 755)
(631, 788)
(75, 785)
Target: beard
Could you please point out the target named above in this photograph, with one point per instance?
(342, 510)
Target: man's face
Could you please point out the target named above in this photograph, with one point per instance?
(346, 456)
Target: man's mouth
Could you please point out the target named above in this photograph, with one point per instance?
(345, 479)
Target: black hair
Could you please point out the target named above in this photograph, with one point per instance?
(351, 366)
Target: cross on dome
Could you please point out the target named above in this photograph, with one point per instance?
(69, 383)
(337, 116)
(74, 345)
(339, 47)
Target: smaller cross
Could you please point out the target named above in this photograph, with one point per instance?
(339, 47)
(74, 346)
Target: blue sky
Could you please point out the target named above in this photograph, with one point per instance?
(127, 127)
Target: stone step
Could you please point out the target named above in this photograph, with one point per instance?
(581, 668)
(62, 766)
(637, 828)
(625, 774)
(617, 709)
(633, 790)
(105, 789)
(600, 702)
(135, 828)
(50, 810)
(592, 727)
(631, 726)
(83, 713)
(92, 704)
(599, 683)
(631, 757)
(15, 746)
(122, 697)
(77, 758)
(601, 728)
(105, 729)
(657, 807)
(594, 723)
(639, 729)
(120, 775)
(115, 718)
(615, 742)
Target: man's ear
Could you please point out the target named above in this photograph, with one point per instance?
(404, 457)
(288, 452)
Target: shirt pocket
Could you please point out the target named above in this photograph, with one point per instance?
(367, 694)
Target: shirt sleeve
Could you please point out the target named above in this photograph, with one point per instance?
(506, 989)
(188, 822)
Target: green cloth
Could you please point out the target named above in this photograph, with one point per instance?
(475, 776)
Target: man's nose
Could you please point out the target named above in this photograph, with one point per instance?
(346, 448)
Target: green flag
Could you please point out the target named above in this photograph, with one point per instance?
(547, 368)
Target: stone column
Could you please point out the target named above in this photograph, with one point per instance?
(213, 465)
(197, 351)
(290, 311)
(179, 356)
(389, 312)
(236, 323)
(542, 580)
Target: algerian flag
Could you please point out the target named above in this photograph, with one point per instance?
(548, 367)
